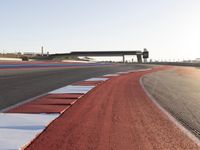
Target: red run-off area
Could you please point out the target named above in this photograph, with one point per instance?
(115, 115)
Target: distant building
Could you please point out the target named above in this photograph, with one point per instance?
(197, 60)
(30, 54)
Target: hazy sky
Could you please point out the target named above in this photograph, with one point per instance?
(167, 28)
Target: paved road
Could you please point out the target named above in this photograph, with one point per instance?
(178, 91)
(21, 84)
(21, 65)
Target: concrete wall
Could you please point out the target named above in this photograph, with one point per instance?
(10, 59)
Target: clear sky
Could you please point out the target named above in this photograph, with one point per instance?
(167, 28)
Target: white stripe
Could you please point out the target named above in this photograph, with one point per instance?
(123, 72)
(16, 130)
(97, 79)
(144, 69)
(111, 75)
(72, 89)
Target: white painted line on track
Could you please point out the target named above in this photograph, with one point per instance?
(16, 130)
(72, 89)
(122, 72)
(144, 69)
(97, 79)
(111, 75)
(132, 71)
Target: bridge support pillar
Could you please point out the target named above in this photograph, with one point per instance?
(123, 58)
(139, 58)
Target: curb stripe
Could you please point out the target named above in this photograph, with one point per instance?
(41, 105)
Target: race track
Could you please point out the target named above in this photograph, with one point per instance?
(20, 84)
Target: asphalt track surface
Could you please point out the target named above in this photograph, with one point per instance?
(116, 115)
(46, 64)
(17, 85)
(178, 91)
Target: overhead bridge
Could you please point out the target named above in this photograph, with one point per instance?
(139, 54)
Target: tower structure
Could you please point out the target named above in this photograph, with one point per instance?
(42, 51)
